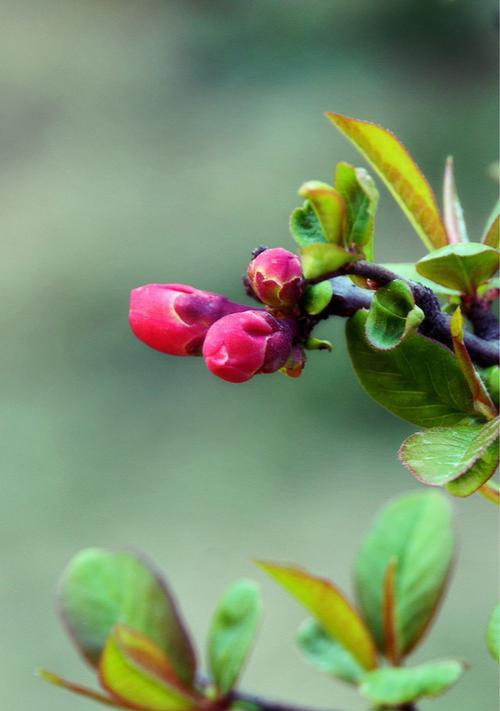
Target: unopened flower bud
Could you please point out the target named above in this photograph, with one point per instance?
(240, 345)
(275, 276)
(175, 318)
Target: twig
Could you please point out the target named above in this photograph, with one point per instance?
(264, 705)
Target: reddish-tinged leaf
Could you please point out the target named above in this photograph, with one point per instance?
(482, 400)
(491, 235)
(136, 672)
(329, 607)
(452, 209)
(400, 173)
(491, 492)
(79, 690)
(388, 616)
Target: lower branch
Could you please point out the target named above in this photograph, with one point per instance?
(347, 298)
(264, 705)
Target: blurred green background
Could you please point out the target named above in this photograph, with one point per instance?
(147, 140)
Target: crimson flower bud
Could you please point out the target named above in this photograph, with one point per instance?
(175, 318)
(240, 345)
(275, 276)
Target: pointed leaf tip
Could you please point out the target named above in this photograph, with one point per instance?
(404, 179)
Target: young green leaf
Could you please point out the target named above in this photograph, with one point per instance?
(320, 259)
(441, 455)
(79, 690)
(477, 475)
(395, 686)
(101, 588)
(361, 198)
(305, 226)
(493, 633)
(491, 379)
(415, 532)
(420, 380)
(392, 316)
(232, 633)
(317, 297)
(389, 613)
(330, 609)
(327, 655)
(136, 672)
(408, 271)
(402, 176)
(491, 236)
(482, 401)
(329, 207)
(452, 208)
(460, 266)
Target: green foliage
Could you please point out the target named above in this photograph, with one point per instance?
(402, 685)
(329, 207)
(326, 654)
(491, 236)
(392, 316)
(415, 532)
(408, 271)
(493, 633)
(317, 297)
(330, 609)
(361, 199)
(232, 633)
(460, 266)
(319, 259)
(420, 380)
(400, 173)
(452, 209)
(442, 455)
(100, 589)
(305, 226)
(491, 379)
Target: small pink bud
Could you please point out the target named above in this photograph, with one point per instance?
(240, 345)
(275, 276)
(175, 318)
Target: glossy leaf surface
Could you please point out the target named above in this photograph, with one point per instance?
(394, 686)
(392, 316)
(415, 532)
(329, 207)
(400, 173)
(232, 633)
(460, 266)
(320, 259)
(101, 588)
(317, 297)
(452, 208)
(136, 672)
(330, 609)
(361, 197)
(493, 633)
(420, 380)
(305, 226)
(327, 655)
(440, 455)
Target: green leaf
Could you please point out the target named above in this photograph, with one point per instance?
(317, 297)
(420, 380)
(392, 316)
(452, 208)
(305, 226)
(318, 344)
(320, 259)
(101, 588)
(361, 198)
(329, 208)
(441, 455)
(415, 532)
(493, 633)
(460, 266)
(398, 685)
(330, 609)
(402, 176)
(79, 690)
(408, 271)
(491, 378)
(491, 236)
(480, 396)
(136, 672)
(327, 655)
(477, 475)
(232, 633)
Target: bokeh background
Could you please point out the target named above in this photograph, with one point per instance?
(156, 140)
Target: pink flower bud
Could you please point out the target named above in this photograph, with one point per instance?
(175, 318)
(240, 345)
(275, 276)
